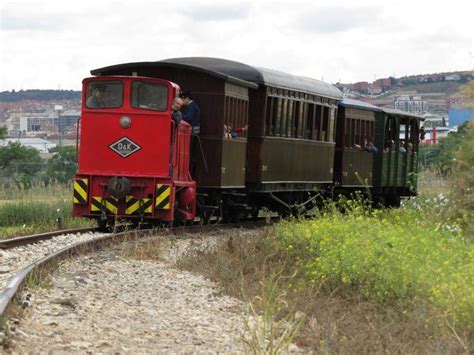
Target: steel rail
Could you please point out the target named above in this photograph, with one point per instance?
(34, 238)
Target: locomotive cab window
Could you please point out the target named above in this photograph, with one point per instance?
(104, 94)
(149, 96)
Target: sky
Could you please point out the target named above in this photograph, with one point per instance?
(53, 44)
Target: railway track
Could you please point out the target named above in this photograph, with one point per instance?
(197, 228)
(17, 280)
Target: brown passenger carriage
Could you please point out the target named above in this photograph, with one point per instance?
(297, 139)
(284, 159)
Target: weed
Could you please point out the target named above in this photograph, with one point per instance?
(144, 249)
(37, 278)
(367, 280)
(270, 323)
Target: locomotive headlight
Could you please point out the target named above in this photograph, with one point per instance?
(125, 121)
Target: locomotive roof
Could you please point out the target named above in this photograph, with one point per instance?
(232, 71)
(365, 105)
(138, 67)
(260, 75)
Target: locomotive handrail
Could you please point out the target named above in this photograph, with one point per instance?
(196, 137)
(174, 133)
(77, 138)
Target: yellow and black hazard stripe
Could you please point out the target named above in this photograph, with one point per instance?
(162, 200)
(80, 191)
(132, 205)
(110, 204)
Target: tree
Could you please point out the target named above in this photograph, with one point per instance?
(62, 166)
(20, 163)
(462, 183)
(442, 154)
(467, 91)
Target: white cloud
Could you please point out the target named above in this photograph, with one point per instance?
(56, 43)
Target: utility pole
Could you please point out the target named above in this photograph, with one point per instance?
(58, 108)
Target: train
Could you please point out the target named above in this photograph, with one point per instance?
(299, 142)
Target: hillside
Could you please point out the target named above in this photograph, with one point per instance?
(427, 93)
(39, 95)
(445, 87)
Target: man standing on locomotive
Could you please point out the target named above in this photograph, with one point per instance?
(176, 114)
(191, 112)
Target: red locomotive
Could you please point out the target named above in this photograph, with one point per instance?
(133, 159)
(297, 142)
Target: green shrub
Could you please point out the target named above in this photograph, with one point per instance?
(406, 255)
(462, 187)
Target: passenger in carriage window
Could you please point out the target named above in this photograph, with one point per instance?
(402, 148)
(240, 131)
(389, 145)
(96, 100)
(227, 130)
(369, 145)
(422, 134)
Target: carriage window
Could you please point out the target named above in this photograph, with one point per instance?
(149, 96)
(303, 119)
(324, 131)
(318, 125)
(291, 116)
(235, 117)
(311, 117)
(277, 116)
(332, 122)
(104, 94)
(403, 135)
(347, 130)
(284, 118)
(271, 114)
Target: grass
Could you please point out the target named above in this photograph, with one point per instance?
(445, 87)
(397, 280)
(38, 278)
(396, 255)
(145, 249)
(432, 182)
(35, 210)
(270, 323)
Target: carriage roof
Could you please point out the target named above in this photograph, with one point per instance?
(232, 71)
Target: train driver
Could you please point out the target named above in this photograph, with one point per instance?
(96, 100)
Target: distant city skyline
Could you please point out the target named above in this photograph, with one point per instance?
(55, 44)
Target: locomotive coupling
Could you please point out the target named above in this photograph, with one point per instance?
(119, 187)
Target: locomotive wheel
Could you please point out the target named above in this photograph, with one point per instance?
(102, 225)
(254, 213)
(389, 200)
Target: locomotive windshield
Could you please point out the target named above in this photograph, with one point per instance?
(104, 94)
(149, 96)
